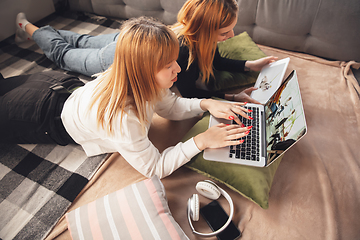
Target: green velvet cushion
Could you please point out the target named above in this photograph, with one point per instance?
(253, 183)
(240, 47)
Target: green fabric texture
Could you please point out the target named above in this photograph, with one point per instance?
(239, 47)
(253, 183)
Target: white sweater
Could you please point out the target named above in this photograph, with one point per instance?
(130, 140)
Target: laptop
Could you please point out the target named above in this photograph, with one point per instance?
(269, 80)
(277, 126)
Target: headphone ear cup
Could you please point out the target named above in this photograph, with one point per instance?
(208, 189)
(194, 207)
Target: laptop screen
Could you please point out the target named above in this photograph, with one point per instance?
(285, 118)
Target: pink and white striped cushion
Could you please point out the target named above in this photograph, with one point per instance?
(138, 211)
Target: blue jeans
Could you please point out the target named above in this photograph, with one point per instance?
(75, 52)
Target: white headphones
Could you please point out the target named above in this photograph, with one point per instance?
(210, 190)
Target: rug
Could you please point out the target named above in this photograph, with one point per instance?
(39, 182)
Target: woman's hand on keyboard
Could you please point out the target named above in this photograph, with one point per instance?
(221, 135)
(225, 110)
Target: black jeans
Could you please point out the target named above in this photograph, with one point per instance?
(31, 105)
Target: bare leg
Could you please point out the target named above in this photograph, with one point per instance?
(30, 28)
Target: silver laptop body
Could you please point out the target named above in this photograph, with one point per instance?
(281, 123)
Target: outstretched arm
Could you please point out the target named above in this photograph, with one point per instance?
(258, 64)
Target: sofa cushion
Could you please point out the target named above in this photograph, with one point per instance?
(240, 47)
(138, 211)
(254, 183)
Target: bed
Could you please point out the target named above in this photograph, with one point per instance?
(313, 192)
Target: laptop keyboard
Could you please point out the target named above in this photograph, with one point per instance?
(249, 149)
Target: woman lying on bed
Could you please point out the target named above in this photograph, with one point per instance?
(201, 24)
(113, 113)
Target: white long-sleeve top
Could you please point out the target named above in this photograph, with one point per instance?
(129, 139)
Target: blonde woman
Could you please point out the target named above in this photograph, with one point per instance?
(113, 112)
(201, 25)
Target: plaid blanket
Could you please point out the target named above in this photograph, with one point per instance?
(39, 182)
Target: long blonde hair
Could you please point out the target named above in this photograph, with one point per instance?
(143, 48)
(198, 22)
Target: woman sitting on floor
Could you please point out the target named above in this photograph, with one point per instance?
(113, 112)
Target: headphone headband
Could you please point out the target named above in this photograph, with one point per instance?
(210, 190)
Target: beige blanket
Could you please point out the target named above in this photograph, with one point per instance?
(315, 193)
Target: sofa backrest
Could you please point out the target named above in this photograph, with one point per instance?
(325, 28)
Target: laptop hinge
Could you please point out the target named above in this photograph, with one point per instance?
(263, 137)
